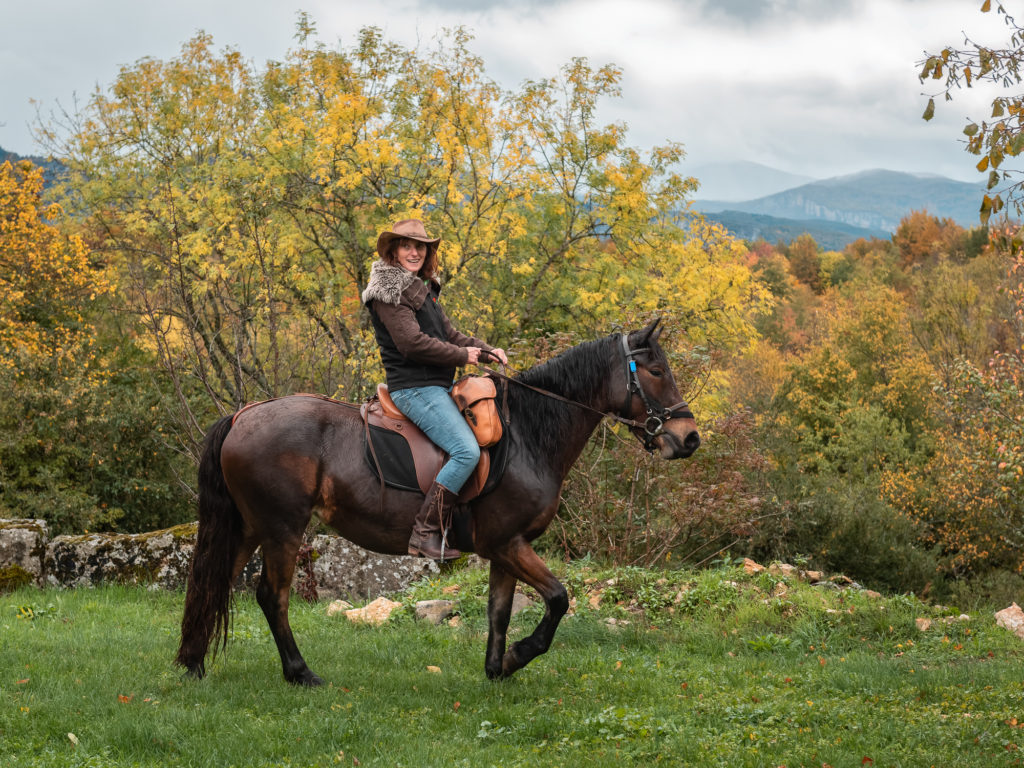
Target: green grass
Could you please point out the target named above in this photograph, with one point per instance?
(712, 670)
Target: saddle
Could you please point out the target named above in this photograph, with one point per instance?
(405, 458)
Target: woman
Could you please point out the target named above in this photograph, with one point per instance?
(420, 351)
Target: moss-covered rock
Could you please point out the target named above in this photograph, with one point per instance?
(14, 577)
(159, 558)
(23, 548)
(342, 569)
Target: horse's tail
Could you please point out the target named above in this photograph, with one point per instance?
(208, 596)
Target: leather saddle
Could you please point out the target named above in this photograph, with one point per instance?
(404, 457)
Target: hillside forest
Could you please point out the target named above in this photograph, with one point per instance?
(214, 226)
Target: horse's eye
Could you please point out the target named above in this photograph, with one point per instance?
(657, 372)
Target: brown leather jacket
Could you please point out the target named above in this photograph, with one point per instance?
(418, 345)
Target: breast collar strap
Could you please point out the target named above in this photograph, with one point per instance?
(657, 414)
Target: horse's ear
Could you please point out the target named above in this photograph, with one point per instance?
(650, 334)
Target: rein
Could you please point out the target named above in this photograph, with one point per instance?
(657, 414)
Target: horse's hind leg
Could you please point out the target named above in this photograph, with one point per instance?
(272, 594)
(524, 564)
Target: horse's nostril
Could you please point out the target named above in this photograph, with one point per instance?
(692, 442)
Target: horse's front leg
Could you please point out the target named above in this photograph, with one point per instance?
(500, 593)
(524, 564)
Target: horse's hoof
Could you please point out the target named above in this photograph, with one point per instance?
(307, 679)
(197, 672)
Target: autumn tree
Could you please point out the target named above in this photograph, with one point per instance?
(967, 497)
(81, 443)
(999, 137)
(239, 208)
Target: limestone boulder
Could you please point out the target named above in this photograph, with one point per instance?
(375, 613)
(1012, 618)
(434, 611)
(159, 558)
(343, 570)
(22, 552)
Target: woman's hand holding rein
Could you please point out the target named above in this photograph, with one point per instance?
(477, 355)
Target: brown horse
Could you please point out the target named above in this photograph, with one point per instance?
(262, 477)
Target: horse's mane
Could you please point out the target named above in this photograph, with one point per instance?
(580, 374)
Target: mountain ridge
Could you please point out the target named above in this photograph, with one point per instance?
(873, 201)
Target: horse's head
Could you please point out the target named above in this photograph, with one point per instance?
(652, 398)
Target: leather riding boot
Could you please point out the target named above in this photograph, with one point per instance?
(427, 538)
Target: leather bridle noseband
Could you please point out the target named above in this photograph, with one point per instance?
(657, 414)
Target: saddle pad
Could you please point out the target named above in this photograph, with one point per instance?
(395, 458)
(396, 463)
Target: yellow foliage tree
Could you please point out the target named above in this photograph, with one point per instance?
(240, 208)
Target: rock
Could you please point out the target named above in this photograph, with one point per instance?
(813, 576)
(376, 613)
(594, 601)
(520, 602)
(785, 570)
(1012, 618)
(159, 558)
(455, 621)
(780, 589)
(434, 611)
(22, 552)
(872, 594)
(343, 570)
(749, 566)
(923, 624)
(338, 606)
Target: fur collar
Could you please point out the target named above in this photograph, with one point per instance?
(387, 283)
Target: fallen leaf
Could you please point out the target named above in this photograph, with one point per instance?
(73, 739)
(22, 682)
(456, 705)
(125, 699)
(432, 668)
(867, 761)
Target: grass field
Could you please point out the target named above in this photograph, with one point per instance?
(714, 669)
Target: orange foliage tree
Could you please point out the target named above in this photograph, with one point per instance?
(968, 498)
(80, 440)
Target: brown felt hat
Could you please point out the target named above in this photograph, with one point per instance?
(410, 228)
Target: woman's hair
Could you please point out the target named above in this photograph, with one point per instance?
(429, 269)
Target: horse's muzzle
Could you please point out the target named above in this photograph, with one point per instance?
(671, 446)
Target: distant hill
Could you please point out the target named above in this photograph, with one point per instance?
(742, 181)
(832, 236)
(872, 200)
(51, 168)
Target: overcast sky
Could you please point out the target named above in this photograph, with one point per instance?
(814, 87)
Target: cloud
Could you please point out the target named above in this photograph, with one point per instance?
(817, 87)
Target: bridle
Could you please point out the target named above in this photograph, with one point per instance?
(657, 414)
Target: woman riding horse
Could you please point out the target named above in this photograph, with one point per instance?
(420, 351)
(266, 470)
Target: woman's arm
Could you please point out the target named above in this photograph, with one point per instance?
(412, 342)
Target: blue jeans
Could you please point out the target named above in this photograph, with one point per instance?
(433, 410)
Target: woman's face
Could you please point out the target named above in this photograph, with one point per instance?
(410, 254)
